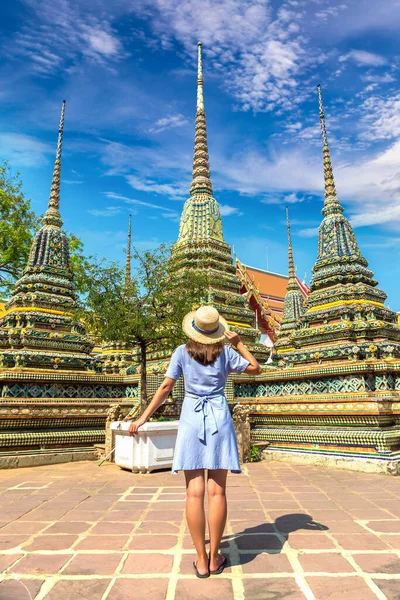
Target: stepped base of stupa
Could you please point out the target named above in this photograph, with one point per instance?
(49, 416)
(346, 413)
(387, 465)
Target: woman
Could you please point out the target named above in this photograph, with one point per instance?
(206, 437)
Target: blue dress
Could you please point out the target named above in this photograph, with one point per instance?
(206, 437)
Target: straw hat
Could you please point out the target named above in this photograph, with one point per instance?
(205, 325)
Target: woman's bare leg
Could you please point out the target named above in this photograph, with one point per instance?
(217, 512)
(195, 516)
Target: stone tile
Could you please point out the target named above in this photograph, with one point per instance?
(187, 560)
(9, 541)
(204, 589)
(51, 542)
(360, 541)
(265, 563)
(158, 527)
(249, 527)
(393, 541)
(346, 527)
(148, 563)
(258, 542)
(308, 541)
(19, 590)
(72, 527)
(109, 527)
(379, 563)
(8, 559)
(272, 589)
(153, 542)
(79, 588)
(123, 516)
(89, 516)
(392, 526)
(328, 516)
(325, 563)
(389, 588)
(94, 564)
(151, 589)
(339, 588)
(23, 527)
(46, 564)
(102, 542)
(159, 515)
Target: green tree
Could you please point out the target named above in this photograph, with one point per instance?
(18, 224)
(145, 313)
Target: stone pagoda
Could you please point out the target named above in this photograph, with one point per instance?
(54, 401)
(333, 395)
(39, 328)
(201, 243)
(117, 356)
(293, 307)
(345, 314)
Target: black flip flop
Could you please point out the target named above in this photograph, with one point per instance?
(221, 566)
(200, 575)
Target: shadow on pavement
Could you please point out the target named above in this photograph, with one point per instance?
(250, 544)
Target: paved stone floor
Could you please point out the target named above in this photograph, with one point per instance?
(79, 531)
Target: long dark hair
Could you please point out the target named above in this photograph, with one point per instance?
(205, 354)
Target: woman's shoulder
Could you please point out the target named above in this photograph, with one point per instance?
(180, 350)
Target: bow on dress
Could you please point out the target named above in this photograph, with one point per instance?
(204, 405)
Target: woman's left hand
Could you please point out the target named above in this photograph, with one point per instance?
(134, 426)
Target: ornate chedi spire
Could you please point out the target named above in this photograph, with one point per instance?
(117, 356)
(201, 243)
(201, 217)
(52, 216)
(293, 307)
(128, 253)
(39, 328)
(344, 312)
(201, 182)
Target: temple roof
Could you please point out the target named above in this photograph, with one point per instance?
(272, 287)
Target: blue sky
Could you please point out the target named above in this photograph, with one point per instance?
(128, 72)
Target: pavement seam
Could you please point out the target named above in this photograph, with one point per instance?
(175, 571)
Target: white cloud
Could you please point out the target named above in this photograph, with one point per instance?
(172, 190)
(168, 123)
(330, 12)
(110, 211)
(380, 117)
(259, 56)
(292, 198)
(227, 210)
(57, 35)
(372, 78)
(308, 232)
(175, 217)
(128, 200)
(364, 58)
(101, 42)
(24, 150)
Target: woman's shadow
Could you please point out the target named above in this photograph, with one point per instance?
(268, 538)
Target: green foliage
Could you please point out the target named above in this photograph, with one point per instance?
(81, 265)
(161, 418)
(147, 311)
(254, 454)
(18, 224)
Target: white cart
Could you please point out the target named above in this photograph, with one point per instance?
(152, 448)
